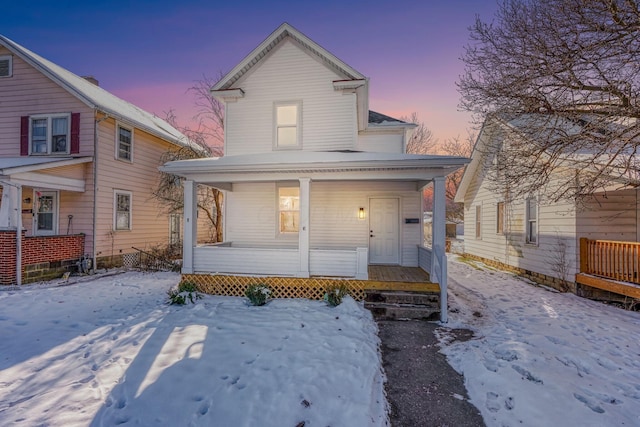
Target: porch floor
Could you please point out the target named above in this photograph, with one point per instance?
(397, 278)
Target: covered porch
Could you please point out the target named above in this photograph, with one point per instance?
(340, 195)
(36, 243)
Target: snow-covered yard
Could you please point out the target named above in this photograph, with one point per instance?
(542, 358)
(111, 352)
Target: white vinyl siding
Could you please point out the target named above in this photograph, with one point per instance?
(558, 225)
(328, 117)
(381, 142)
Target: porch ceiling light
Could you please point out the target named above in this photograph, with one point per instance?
(361, 213)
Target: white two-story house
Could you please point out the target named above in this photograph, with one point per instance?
(316, 185)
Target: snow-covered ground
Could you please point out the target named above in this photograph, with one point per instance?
(110, 352)
(542, 358)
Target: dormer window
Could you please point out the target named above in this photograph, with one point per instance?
(49, 134)
(6, 66)
(288, 131)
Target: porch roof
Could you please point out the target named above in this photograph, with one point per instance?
(30, 171)
(282, 165)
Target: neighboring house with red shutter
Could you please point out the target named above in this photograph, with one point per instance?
(77, 166)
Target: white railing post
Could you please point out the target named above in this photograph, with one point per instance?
(303, 232)
(190, 236)
(362, 264)
(438, 243)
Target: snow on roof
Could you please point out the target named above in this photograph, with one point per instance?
(376, 118)
(292, 160)
(98, 98)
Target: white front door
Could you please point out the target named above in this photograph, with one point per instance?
(384, 231)
(45, 216)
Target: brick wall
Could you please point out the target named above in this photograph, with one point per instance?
(43, 257)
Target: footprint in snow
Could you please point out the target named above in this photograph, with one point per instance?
(492, 403)
(556, 341)
(526, 374)
(589, 403)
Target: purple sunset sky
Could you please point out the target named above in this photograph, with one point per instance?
(150, 52)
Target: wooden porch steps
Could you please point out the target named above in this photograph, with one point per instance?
(402, 304)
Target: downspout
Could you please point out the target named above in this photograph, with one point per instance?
(95, 189)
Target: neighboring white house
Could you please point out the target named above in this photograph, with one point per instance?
(315, 183)
(534, 236)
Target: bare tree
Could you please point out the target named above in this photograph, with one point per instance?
(463, 148)
(563, 77)
(422, 140)
(205, 141)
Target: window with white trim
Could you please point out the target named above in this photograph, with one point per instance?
(532, 220)
(49, 134)
(478, 221)
(287, 118)
(6, 65)
(124, 143)
(288, 210)
(500, 218)
(122, 201)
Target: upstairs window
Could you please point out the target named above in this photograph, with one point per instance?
(124, 143)
(287, 125)
(6, 66)
(288, 209)
(49, 134)
(532, 221)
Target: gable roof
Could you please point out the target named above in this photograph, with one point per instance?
(281, 33)
(97, 98)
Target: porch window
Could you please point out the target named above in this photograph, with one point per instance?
(287, 125)
(122, 210)
(49, 134)
(532, 220)
(478, 221)
(124, 143)
(288, 209)
(500, 218)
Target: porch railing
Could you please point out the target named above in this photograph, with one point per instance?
(611, 259)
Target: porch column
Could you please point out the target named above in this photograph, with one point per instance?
(438, 240)
(9, 206)
(190, 236)
(303, 228)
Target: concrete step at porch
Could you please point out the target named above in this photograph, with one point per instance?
(391, 304)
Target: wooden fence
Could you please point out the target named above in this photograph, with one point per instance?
(610, 259)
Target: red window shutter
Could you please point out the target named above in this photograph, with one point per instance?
(75, 133)
(24, 135)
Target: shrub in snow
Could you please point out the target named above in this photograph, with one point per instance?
(258, 294)
(335, 293)
(185, 291)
